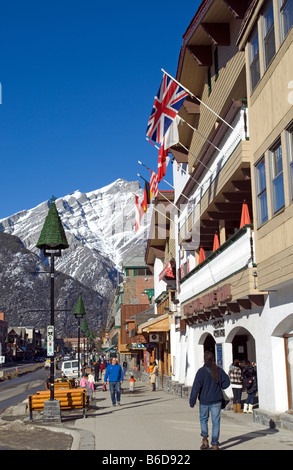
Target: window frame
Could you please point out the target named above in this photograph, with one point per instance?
(282, 4)
(254, 59)
(261, 193)
(277, 175)
(268, 35)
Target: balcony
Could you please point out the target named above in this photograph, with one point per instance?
(234, 259)
(221, 190)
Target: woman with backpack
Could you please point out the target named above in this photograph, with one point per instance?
(249, 385)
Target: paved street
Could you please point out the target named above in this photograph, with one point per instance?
(156, 421)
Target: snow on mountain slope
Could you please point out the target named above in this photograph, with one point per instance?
(99, 226)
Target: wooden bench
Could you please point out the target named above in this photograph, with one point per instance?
(62, 385)
(69, 399)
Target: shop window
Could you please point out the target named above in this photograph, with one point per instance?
(269, 34)
(286, 16)
(254, 59)
(277, 173)
(262, 206)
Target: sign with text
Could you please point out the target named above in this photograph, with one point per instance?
(50, 340)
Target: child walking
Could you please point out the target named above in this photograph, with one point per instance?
(131, 383)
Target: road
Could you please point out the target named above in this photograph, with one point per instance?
(16, 390)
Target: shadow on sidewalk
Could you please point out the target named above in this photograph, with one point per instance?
(237, 440)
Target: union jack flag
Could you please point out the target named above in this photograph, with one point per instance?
(165, 109)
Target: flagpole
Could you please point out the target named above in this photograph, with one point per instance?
(159, 192)
(193, 179)
(196, 97)
(165, 182)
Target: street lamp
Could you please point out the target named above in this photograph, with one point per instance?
(79, 313)
(52, 240)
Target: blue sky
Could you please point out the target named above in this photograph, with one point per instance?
(78, 82)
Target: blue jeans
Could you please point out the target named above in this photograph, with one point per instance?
(204, 413)
(250, 398)
(115, 391)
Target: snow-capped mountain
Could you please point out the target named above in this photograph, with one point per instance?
(99, 227)
(98, 223)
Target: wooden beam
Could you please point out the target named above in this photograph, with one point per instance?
(224, 215)
(237, 197)
(180, 155)
(203, 55)
(191, 105)
(218, 32)
(257, 300)
(238, 7)
(242, 185)
(244, 304)
(233, 307)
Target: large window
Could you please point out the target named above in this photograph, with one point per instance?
(286, 13)
(254, 59)
(269, 34)
(277, 173)
(262, 206)
(289, 141)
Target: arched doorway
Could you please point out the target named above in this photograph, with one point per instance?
(243, 344)
(208, 342)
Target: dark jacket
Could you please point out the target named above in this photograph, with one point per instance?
(249, 379)
(205, 388)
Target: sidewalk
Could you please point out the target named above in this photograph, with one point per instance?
(155, 421)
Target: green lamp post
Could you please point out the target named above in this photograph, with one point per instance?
(52, 240)
(79, 313)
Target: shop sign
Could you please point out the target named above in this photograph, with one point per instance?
(138, 345)
(213, 298)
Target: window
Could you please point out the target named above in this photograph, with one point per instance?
(254, 60)
(286, 13)
(277, 172)
(262, 206)
(289, 139)
(269, 34)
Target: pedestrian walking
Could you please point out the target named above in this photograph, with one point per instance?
(131, 383)
(124, 365)
(97, 369)
(153, 376)
(115, 374)
(84, 381)
(207, 387)
(236, 379)
(249, 385)
(102, 369)
(91, 382)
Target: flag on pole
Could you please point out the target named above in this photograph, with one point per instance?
(138, 212)
(153, 185)
(162, 161)
(165, 108)
(146, 196)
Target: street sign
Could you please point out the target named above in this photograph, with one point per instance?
(50, 340)
(2, 359)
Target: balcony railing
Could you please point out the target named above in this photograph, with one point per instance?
(226, 149)
(233, 256)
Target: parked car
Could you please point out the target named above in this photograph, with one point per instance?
(70, 369)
